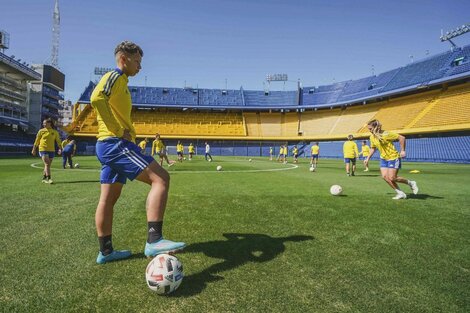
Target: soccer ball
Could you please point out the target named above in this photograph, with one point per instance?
(312, 169)
(210, 160)
(76, 165)
(164, 274)
(249, 160)
(219, 168)
(336, 190)
(184, 159)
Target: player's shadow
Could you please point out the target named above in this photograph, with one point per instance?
(235, 251)
(423, 196)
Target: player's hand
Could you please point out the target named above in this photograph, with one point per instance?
(59, 152)
(403, 154)
(127, 135)
(33, 152)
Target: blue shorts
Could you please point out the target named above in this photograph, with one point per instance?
(120, 160)
(350, 160)
(179, 153)
(314, 156)
(50, 154)
(396, 164)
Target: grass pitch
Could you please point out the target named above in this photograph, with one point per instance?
(262, 237)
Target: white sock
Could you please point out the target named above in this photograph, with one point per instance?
(398, 191)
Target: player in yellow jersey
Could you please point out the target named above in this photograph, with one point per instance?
(143, 145)
(159, 148)
(191, 151)
(122, 159)
(315, 151)
(46, 139)
(390, 158)
(350, 153)
(295, 153)
(69, 149)
(365, 151)
(180, 151)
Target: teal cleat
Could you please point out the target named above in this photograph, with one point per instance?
(163, 246)
(113, 256)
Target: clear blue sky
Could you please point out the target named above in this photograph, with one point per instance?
(205, 42)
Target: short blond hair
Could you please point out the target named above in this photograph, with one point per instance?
(128, 47)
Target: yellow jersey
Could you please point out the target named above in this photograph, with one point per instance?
(385, 145)
(191, 149)
(350, 150)
(365, 151)
(113, 104)
(179, 148)
(315, 149)
(46, 138)
(270, 150)
(142, 144)
(157, 146)
(295, 151)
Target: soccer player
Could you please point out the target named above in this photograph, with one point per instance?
(271, 152)
(68, 151)
(208, 152)
(286, 152)
(350, 153)
(365, 151)
(191, 151)
(46, 139)
(180, 151)
(390, 158)
(295, 152)
(159, 149)
(315, 151)
(143, 145)
(122, 159)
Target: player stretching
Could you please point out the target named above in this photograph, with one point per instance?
(365, 151)
(69, 148)
(122, 159)
(143, 145)
(159, 148)
(350, 154)
(191, 151)
(315, 151)
(390, 159)
(46, 139)
(180, 151)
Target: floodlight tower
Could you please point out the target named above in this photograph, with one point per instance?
(465, 28)
(55, 35)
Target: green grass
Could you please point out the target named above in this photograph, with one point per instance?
(271, 241)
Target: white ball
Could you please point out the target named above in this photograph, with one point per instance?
(312, 169)
(219, 168)
(249, 160)
(164, 274)
(210, 160)
(76, 165)
(336, 190)
(184, 158)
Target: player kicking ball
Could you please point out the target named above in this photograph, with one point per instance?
(390, 159)
(122, 159)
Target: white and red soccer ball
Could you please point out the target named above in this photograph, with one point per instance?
(164, 274)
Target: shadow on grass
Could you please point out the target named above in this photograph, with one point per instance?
(80, 181)
(423, 196)
(367, 175)
(236, 251)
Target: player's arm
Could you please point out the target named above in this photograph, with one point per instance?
(100, 102)
(74, 149)
(371, 153)
(58, 142)
(402, 142)
(36, 143)
(153, 148)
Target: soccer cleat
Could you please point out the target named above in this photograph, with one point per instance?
(113, 256)
(44, 180)
(352, 174)
(366, 170)
(50, 181)
(162, 246)
(414, 186)
(399, 196)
